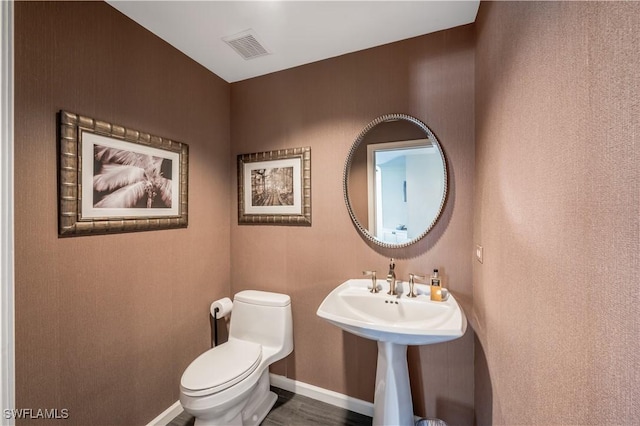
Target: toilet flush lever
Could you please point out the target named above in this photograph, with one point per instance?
(374, 282)
(412, 278)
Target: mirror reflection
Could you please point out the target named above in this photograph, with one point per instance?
(395, 180)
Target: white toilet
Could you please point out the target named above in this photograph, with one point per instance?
(229, 384)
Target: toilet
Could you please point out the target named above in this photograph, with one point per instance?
(229, 384)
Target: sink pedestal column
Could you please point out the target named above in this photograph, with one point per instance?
(392, 403)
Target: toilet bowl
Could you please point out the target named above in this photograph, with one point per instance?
(229, 384)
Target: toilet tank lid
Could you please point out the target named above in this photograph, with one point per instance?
(264, 298)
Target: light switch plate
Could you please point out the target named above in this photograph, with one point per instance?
(479, 253)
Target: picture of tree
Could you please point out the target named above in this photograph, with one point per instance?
(272, 187)
(126, 179)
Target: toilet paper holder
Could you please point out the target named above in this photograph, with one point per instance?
(219, 309)
(215, 326)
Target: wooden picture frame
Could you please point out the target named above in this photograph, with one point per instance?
(113, 179)
(274, 187)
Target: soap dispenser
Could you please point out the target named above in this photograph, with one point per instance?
(436, 287)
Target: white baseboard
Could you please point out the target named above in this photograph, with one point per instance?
(323, 395)
(167, 415)
(314, 392)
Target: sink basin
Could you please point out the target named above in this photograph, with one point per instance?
(395, 322)
(403, 320)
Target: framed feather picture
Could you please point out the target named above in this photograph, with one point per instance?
(113, 179)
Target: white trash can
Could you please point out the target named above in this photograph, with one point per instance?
(431, 422)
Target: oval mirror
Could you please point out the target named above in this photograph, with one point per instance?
(395, 180)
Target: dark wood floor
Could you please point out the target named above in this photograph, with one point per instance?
(297, 410)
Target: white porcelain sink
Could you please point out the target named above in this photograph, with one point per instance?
(395, 322)
(403, 320)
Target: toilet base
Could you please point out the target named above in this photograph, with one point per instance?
(262, 410)
(260, 402)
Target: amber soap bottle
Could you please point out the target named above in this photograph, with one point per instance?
(436, 287)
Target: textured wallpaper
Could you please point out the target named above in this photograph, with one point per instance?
(325, 105)
(105, 325)
(557, 196)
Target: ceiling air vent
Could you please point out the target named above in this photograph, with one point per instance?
(246, 44)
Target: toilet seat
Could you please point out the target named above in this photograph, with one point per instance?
(221, 367)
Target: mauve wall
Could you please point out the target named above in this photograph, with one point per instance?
(557, 299)
(325, 105)
(105, 325)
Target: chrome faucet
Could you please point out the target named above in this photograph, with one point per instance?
(391, 278)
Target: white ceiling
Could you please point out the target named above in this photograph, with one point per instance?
(295, 32)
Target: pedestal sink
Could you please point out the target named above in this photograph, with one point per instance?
(395, 322)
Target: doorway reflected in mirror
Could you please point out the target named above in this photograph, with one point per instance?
(402, 179)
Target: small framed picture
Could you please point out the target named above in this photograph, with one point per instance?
(274, 187)
(113, 179)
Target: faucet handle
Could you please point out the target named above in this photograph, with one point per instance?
(374, 283)
(412, 278)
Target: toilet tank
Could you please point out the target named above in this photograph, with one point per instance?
(263, 317)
